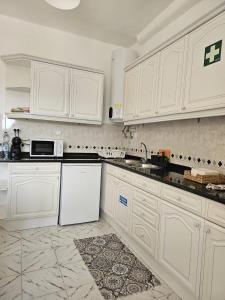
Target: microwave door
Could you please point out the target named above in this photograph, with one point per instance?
(42, 148)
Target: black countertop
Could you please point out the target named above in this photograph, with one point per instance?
(67, 158)
(172, 175)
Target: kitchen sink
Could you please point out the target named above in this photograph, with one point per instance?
(132, 162)
(139, 164)
(148, 166)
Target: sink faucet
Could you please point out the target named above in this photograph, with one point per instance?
(145, 159)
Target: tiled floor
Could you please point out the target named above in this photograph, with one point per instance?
(44, 264)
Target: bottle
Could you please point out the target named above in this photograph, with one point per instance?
(5, 146)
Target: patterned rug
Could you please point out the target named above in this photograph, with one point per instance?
(116, 270)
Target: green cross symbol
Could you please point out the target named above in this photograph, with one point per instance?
(213, 53)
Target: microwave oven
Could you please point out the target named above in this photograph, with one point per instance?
(46, 148)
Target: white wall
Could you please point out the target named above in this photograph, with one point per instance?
(18, 36)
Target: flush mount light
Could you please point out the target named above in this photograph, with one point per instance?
(64, 4)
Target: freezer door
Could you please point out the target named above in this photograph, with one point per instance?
(80, 193)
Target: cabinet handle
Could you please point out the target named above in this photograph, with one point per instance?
(179, 199)
(183, 107)
(207, 230)
(197, 225)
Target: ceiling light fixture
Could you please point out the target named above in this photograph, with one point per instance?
(64, 4)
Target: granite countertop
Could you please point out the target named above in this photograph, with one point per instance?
(172, 175)
(67, 158)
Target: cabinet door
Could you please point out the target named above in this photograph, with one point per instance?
(204, 87)
(123, 205)
(180, 250)
(86, 97)
(110, 194)
(34, 196)
(213, 287)
(144, 234)
(170, 78)
(148, 87)
(131, 93)
(50, 90)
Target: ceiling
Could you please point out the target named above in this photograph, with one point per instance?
(113, 21)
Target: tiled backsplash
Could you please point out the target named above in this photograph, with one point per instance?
(192, 142)
(77, 137)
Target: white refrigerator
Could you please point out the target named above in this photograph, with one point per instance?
(80, 193)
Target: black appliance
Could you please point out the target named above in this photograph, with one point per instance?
(16, 146)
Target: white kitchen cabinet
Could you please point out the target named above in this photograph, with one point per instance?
(131, 93)
(171, 67)
(180, 250)
(213, 287)
(110, 195)
(33, 196)
(86, 96)
(204, 86)
(50, 90)
(123, 205)
(147, 88)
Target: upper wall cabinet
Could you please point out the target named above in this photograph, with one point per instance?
(148, 87)
(140, 90)
(86, 95)
(183, 81)
(170, 78)
(50, 90)
(205, 88)
(53, 91)
(131, 93)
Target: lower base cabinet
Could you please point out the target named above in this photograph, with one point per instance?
(123, 205)
(190, 248)
(34, 196)
(144, 234)
(110, 195)
(213, 287)
(181, 245)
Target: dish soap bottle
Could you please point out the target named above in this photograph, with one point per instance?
(5, 146)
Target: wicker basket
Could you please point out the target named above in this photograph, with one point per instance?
(205, 179)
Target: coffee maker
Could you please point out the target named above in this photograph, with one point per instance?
(16, 146)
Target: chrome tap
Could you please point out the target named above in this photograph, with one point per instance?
(145, 159)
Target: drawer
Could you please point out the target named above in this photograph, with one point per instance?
(125, 175)
(17, 168)
(146, 214)
(146, 200)
(146, 184)
(215, 212)
(183, 199)
(144, 234)
(111, 170)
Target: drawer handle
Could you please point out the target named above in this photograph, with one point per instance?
(141, 235)
(37, 168)
(207, 230)
(197, 225)
(179, 199)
